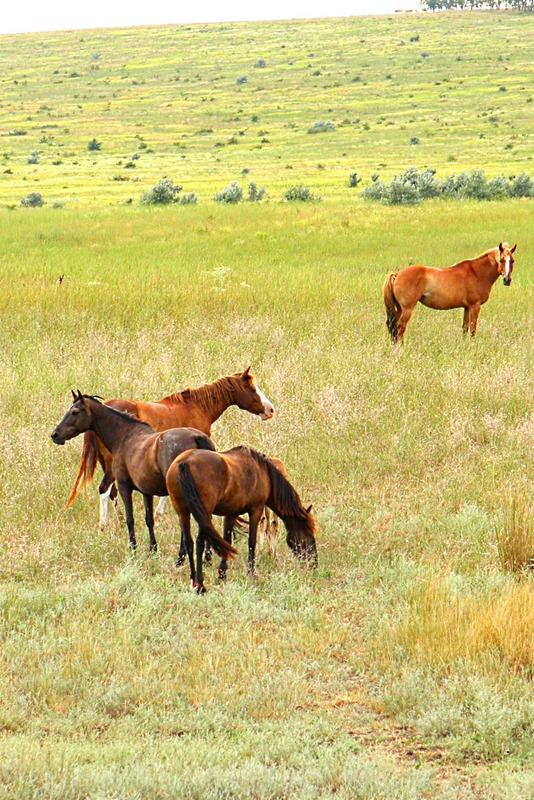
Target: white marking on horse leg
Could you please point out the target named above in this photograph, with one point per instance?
(104, 509)
(268, 408)
(160, 508)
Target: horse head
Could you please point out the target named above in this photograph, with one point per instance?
(301, 536)
(249, 397)
(505, 260)
(77, 419)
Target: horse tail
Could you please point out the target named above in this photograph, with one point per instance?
(88, 462)
(393, 309)
(204, 442)
(200, 513)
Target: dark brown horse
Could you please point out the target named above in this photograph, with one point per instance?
(140, 457)
(466, 285)
(238, 481)
(193, 408)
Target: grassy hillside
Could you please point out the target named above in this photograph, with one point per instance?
(459, 84)
(402, 667)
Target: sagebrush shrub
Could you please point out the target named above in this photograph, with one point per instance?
(321, 127)
(162, 193)
(255, 195)
(233, 193)
(300, 193)
(33, 200)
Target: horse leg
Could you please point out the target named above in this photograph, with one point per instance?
(125, 490)
(254, 517)
(160, 508)
(402, 322)
(149, 520)
(473, 315)
(186, 545)
(465, 323)
(200, 543)
(228, 528)
(105, 490)
(104, 497)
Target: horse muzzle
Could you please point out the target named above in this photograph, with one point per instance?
(507, 281)
(268, 412)
(56, 438)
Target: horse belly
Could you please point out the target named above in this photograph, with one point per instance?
(443, 292)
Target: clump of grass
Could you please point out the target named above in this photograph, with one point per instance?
(443, 625)
(515, 537)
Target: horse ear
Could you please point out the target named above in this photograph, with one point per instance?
(501, 248)
(309, 509)
(73, 393)
(246, 373)
(79, 395)
(513, 248)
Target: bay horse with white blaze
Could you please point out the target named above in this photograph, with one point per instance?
(238, 481)
(140, 457)
(466, 285)
(192, 408)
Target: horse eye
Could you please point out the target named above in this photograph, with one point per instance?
(75, 410)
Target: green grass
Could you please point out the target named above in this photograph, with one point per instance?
(169, 94)
(402, 666)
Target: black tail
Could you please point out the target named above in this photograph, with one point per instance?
(199, 512)
(204, 442)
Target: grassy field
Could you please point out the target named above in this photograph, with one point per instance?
(402, 667)
(461, 86)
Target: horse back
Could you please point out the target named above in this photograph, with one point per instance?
(162, 416)
(171, 443)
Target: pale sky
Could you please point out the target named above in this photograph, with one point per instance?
(52, 15)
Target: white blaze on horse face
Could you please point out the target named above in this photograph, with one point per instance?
(507, 267)
(268, 408)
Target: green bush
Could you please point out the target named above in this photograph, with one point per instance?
(94, 144)
(233, 193)
(321, 127)
(412, 186)
(33, 200)
(255, 195)
(300, 193)
(162, 193)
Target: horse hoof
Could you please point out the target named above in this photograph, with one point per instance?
(221, 574)
(208, 557)
(179, 561)
(201, 589)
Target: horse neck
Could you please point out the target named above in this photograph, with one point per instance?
(486, 267)
(283, 499)
(108, 425)
(212, 398)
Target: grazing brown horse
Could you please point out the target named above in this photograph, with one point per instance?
(236, 482)
(140, 457)
(193, 408)
(466, 285)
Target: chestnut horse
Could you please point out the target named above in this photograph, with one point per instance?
(140, 457)
(236, 482)
(193, 408)
(466, 285)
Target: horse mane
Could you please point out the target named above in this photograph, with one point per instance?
(486, 254)
(207, 395)
(285, 500)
